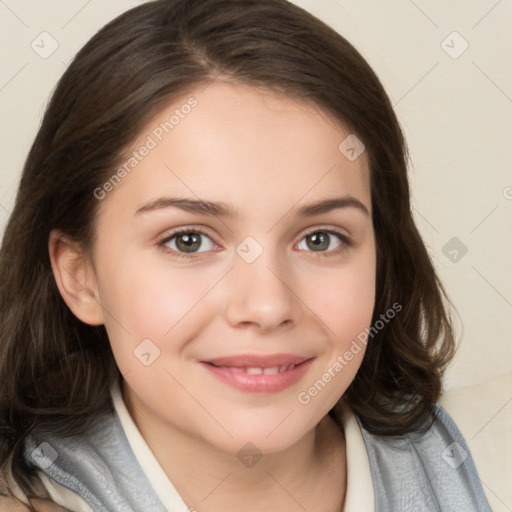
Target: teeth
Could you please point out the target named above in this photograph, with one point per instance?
(259, 371)
(254, 371)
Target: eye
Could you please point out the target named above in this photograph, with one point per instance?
(187, 241)
(324, 241)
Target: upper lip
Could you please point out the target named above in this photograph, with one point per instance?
(258, 360)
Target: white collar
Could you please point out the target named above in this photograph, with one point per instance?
(359, 495)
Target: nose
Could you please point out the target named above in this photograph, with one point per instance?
(262, 295)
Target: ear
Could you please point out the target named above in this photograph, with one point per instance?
(75, 278)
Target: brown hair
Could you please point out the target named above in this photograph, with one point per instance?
(56, 371)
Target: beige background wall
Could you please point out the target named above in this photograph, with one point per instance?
(447, 68)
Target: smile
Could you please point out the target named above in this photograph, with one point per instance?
(259, 371)
(259, 374)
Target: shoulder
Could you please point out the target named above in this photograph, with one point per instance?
(70, 467)
(424, 470)
(98, 468)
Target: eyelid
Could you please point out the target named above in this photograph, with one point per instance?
(186, 229)
(327, 228)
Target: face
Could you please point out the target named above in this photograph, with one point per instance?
(237, 328)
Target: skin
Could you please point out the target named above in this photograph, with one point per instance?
(266, 155)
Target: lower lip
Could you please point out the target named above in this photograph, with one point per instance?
(259, 383)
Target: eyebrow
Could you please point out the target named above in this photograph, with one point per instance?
(221, 209)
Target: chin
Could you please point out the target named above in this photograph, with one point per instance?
(267, 433)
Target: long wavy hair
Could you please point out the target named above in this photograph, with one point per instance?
(56, 371)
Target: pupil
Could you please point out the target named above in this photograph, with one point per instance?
(319, 240)
(188, 242)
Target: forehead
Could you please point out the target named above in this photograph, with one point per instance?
(242, 145)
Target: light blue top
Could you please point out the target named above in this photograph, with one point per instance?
(427, 472)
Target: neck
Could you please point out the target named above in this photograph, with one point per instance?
(309, 475)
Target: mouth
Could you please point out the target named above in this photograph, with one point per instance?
(258, 361)
(259, 373)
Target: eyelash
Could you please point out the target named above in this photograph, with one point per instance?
(347, 243)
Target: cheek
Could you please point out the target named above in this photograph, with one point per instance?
(344, 299)
(351, 308)
(345, 304)
(146, 299)
(343, 355)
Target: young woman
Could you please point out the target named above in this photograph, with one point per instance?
(213, 294)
